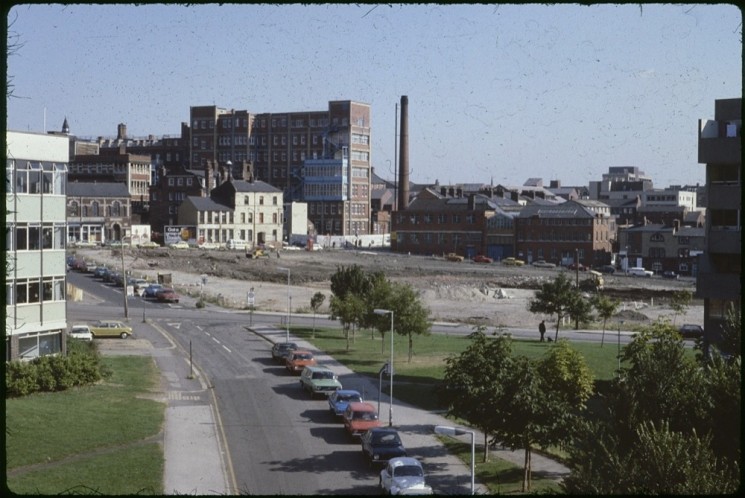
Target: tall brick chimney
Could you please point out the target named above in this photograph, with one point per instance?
(403, 175)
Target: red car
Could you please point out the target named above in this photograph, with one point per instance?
(480, 258)
(167, 296)
(359, 417)
(573, 266)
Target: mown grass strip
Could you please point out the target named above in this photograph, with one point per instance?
(104, 420)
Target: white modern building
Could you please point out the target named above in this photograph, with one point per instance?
(35, 308)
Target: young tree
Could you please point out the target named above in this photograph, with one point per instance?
(680, 302)
(472, 384)
(411, 315)
(606, 308)
(555, 298)
(315, 303)
(580, 309)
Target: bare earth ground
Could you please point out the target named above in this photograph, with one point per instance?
(463, 292)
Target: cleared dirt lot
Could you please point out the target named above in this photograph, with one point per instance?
(461, 292)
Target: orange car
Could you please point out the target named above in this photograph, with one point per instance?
(299, 359)
(359, 417)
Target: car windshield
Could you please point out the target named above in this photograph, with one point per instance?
(365, 416)
(323, 375)
(303, 357)
(408, 470)
(387, 440)
(349, 398)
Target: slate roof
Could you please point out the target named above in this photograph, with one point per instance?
(255, 186)
(97, 189)
(569, 209)
(206, 204)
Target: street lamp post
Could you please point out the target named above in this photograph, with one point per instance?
(279, 268)
(390, 364)
(454, 431)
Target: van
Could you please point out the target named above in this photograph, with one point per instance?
(638, 271)
(236, 244)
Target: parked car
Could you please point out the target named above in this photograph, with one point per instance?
(638, 271)
(542, 263)
(404, 476)
(513, 262)
(576, 266)
(691, 331)
(609, 269)
(80, 265)
(108, 328)
(480, 258)
(151, 291)
(319, 380)
(90, 267)
(298, 360)
(340, 399)
(100, 272)
(140, 284)
(81, 332)
(280, 350)
(166, 295)
(380, 444)
(209, 245)
(181, 244)
(359, 417)
(670, 274)
(149, 245)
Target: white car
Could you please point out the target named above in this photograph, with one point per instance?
(638, 271)
(82, 332)
(404, 476)
(181, 244)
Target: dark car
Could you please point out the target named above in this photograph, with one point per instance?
(480, 258)
(151, 290)
(691, 331)
(576, 266)
(609, 269)
(670, 274)
(380, 444)
(100, 272)
(281, 349)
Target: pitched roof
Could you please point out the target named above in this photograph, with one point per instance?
(97, 189)
(206, 204)
(569, 209)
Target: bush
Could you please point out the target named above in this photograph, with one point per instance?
(81, 366)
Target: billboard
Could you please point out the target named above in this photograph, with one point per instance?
(177, 233)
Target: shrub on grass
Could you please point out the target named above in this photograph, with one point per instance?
(81, 366)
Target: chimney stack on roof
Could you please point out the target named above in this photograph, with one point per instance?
(403, 192)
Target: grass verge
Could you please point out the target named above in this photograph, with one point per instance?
(89, 438)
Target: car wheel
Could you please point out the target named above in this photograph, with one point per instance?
(124, 335)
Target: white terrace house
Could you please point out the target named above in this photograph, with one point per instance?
(237, 210)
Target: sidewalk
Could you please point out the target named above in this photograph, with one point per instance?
(417, 428)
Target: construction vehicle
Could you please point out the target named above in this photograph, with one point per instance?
(451, 256)
(257, 253)
(593, 283)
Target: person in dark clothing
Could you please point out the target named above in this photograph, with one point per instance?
(542, 329)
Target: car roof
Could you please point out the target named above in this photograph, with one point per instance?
(348, 392)
(361, 406)
(316, 368)
(401, 461)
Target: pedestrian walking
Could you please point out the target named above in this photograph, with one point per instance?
(542, 329)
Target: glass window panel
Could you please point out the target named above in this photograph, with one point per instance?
(28, 347)
(21, 182)
(59, 290)
(33, 291)
(49, 344)
(34, 238)
(47, 182)
(47, 290)
(9, 294)
(22, 238)
(34, 181)
(59, 236)
(22, 292)
(47, 238)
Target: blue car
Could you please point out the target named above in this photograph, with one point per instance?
(151, 291)
(338, 400)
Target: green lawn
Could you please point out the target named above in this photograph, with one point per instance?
(91, 438)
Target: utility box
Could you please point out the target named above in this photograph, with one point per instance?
(164, 278)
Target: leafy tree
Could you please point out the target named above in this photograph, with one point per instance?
(680, 302)
(580, 309)
(555, 298)
(606, 308)
(347, 310)
(730, 343)
(665, 409)
(471, 387)
(316, 301)
(411, 315)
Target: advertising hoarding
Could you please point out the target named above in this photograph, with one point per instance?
(178, 233)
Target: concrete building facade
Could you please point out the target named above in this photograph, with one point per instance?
(35, 196)
(720, 266)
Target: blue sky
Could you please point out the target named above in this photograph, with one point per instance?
(496, 92)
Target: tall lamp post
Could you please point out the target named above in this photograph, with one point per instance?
(378, 311)
(279, 268)
(454, 431)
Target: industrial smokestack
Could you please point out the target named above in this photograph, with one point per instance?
(403, 177)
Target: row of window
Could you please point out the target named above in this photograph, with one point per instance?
(439, 238)
(34, 290)
(34, 236)
(109, 168)
(36, 344)
(94, 209)
(180, 181)
(335, 190)
(442, 219)
(555, 237)
(35, 177)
